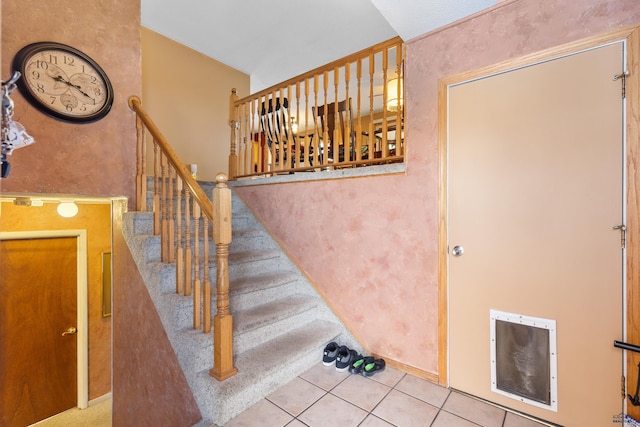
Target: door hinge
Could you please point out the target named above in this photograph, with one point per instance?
(623, 78)
(623, 234)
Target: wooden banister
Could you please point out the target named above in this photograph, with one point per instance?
(180, 207)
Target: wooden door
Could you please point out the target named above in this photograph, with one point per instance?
(535, 181)
(38, 302)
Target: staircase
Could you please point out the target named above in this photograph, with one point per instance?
(281, 324)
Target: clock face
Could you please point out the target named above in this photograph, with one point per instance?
(63, 82)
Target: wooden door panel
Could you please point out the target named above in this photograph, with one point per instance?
(38, 301)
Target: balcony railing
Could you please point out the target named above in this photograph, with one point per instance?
(345, 114)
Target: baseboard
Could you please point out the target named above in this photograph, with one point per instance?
(407, 369)
(102, 398)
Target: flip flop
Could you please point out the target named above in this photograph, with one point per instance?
(371, 366)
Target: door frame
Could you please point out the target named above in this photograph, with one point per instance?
(632, 189)
(82, 300)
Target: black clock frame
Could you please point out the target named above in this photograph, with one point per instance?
(20, 63)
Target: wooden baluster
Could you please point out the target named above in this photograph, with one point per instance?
(233, 157)
(164, 252)
(280, 129)
(400, 113)
(309, 141)
(171, 243)
(248, 145)
(385, 97)
(179, 242)
(188, 266)
(299, 156)
(372, 136)
(141, 166)
(223, 366)
(206, 288)
(325, 125)
(348, 149)
(270, 120)
(196, 266)
(358, 107)
(316, 134)
(156, 189)
(338, 138)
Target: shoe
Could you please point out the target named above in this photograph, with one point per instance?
(356, 365)
(371, 366)
(330, 354)
(345, 357)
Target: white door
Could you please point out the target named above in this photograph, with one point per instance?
(535, 187)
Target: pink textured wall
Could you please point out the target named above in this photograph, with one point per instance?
(88, 159)
(370, 244)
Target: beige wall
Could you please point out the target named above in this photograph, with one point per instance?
(187, 95)
(371, 244)
(95, 218)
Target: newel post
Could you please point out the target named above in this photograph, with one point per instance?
(223, 367)
(233, 123)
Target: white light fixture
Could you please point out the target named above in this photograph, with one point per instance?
(67, 209)
(393, 101)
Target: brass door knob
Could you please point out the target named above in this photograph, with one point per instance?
(70, 331)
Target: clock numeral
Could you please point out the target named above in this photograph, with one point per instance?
(53, 99)
(40, 87)
(53, 59)
(68, 60)
(35, 74)
(42, 65)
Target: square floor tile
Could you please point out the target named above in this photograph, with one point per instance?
(389, 376)
(514, 420)
(373, 421)
(258, 413)
(424, 390)
(296, 396)
(361, 391)
(445, 419)
(296, 423)
(325, 377)
(474, 410)
(403, 410)
(332, 411)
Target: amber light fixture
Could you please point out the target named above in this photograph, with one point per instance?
(394, 98)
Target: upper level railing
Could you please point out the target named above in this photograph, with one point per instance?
(345, 114)
(182, 214)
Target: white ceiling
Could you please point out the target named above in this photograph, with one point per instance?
(274, 40)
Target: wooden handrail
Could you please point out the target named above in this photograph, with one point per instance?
(190, 212)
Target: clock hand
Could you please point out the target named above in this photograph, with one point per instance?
(78, 87)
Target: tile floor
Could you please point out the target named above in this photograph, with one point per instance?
(324, 397)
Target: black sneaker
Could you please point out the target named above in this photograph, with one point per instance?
(330, 354)
(344, 358)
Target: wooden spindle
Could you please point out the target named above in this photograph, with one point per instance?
(206, 287)
(359, 112)
(385, 97)
(197, 297)
(141, 166)
(188, 266)
(337, 130)
(372, 145)
(223, 366)
(171, 244)
(233, 157)
(325, 125)
(164, 244)
(179, 242)
(399, 114)
(156, 189)
(347, 143)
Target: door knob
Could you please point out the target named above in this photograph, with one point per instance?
(457, 251)
(70, 331)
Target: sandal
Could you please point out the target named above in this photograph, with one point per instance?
(371, 366)
(356, 365)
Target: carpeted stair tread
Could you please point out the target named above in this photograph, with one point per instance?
(269, 313)
(268, 280)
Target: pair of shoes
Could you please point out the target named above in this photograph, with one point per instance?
(367, 366)
(341, 355)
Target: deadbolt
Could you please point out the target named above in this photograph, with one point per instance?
(457, 251)
(70, 331)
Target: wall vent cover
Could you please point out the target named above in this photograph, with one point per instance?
(523, 359)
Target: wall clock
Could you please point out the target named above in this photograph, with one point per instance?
(63, 82)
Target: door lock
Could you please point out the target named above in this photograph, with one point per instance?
(70, 331)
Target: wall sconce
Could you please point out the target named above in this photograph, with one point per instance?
(67, 209)
(394, 100)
